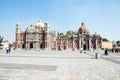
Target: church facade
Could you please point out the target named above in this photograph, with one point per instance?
(35, 37)
(40, 36)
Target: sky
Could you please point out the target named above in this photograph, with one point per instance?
(100, 16)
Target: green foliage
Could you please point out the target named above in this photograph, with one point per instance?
(105, 40)
(70, 32)
(75, 32)
(61, 34)
(118, 43)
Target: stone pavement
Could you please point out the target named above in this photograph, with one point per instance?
(58, 65)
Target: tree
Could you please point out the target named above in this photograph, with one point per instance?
(69, 32)
(105, 40)
(1, 40)
(75, 32)
(118, 43)
(61, 34)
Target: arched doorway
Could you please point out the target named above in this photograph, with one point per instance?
(84, 47)
(64, 47)
(41, 46)
(23, 46)
(59, 48)
(31, 45)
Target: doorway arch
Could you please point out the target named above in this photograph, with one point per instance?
(31, 45)
(23, 46)
(41, 46)
(84, 47)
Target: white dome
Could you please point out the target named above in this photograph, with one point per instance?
(40, 24)
(31, 29)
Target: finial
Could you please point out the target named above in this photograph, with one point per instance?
(39, 21)
(82, 23)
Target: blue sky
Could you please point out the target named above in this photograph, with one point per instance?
(101, 16)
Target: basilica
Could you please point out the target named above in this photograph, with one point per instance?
(40, 37)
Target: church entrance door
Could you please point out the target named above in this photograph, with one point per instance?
(41, 46)
(31, 45)
(84, 47)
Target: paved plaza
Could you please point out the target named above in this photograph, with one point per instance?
(58, 65)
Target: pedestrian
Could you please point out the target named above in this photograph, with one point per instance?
(106, 51)
(7, 50)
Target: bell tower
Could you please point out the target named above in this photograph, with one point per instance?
(47, 26)
(18, 27)
(48, 35)
(18, 35)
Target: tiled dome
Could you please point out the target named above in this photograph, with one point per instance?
(83, 28)
(31, 29)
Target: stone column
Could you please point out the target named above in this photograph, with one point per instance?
(89, 43)
(79, 43)
(61, 46)
(73, 44)
(67, 44)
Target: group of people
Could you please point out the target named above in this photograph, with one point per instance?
(105, 51)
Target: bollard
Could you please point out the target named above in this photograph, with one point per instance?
(97, 56)
(80, 51)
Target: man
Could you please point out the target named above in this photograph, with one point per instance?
(106, 51)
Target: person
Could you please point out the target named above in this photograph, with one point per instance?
(81, 49)
(106, 51)
(7, 50)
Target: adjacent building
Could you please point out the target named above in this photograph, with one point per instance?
(83, 40)
(108, 45)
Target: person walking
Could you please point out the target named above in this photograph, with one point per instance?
(106, 51)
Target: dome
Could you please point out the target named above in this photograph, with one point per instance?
(31, 29)
(83, 28)
(40, 24)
